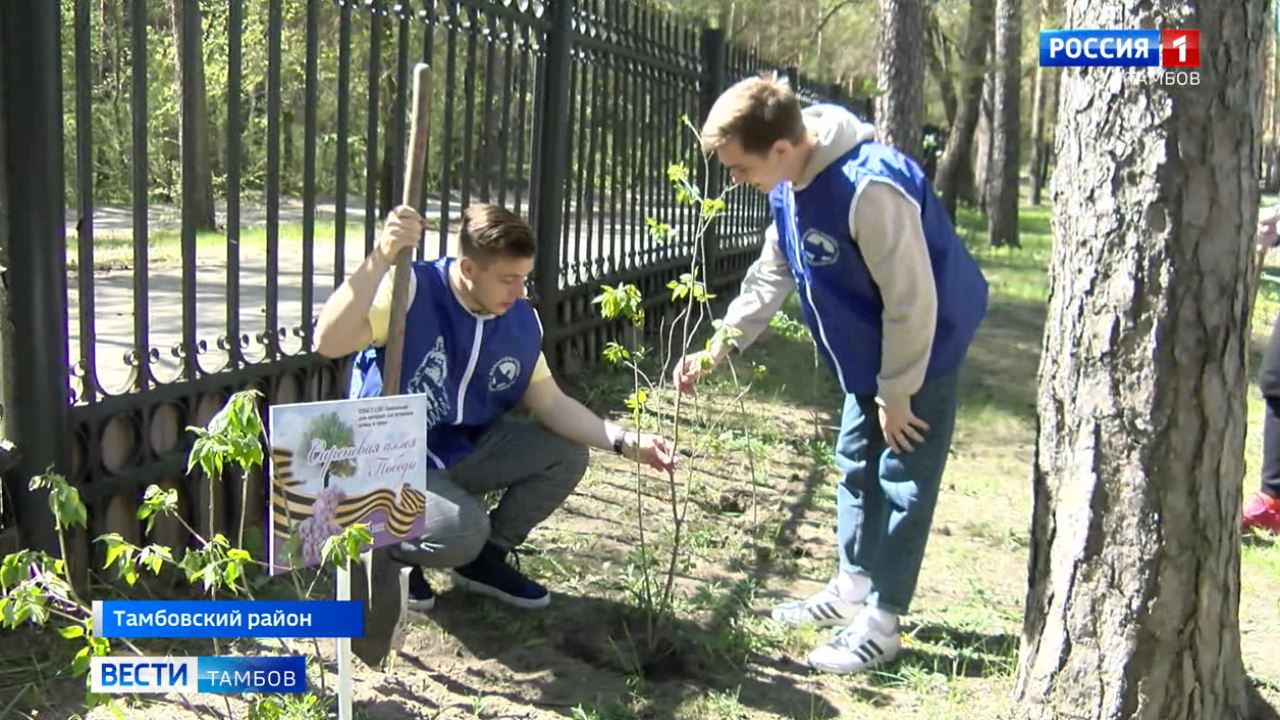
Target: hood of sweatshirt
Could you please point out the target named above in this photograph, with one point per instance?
(836, 131)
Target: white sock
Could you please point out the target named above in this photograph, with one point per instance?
(852, 587)
(882, 621)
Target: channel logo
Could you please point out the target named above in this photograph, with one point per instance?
(1120, 48)
(284, 674)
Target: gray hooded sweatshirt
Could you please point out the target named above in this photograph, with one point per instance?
(886, 225)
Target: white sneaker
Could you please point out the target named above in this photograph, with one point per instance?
(421, 605)
(418, 595)
(859, 647)
(825, 608)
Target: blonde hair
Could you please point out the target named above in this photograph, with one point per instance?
(757, 112)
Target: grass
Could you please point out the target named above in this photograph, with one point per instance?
(754, 541)
(963, 636)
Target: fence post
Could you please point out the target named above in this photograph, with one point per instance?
(713, 83)
(551, 165)
(34, 239)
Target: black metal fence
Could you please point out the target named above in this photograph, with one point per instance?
(131, 319)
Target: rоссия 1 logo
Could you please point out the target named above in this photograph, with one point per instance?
(1173, 55)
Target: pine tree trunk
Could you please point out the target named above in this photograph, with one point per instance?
(1047, 148)
(956, 162)
(1132, 610)
(982, 142)
(1274, 127)
(1271, 148)
(1037, 133)
(900, 72)
(1006, 166)
(203, 197)
(937, 59)
(1048, 12)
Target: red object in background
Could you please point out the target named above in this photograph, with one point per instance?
(1180, 48)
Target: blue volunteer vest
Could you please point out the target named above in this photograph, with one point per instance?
(472, 369)
(839, 299)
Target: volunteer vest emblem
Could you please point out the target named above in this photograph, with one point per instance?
(504, 374)
(429, 379)
(820, 249)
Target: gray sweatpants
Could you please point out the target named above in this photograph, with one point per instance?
(537, 470)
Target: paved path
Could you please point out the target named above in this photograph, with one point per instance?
(114, 308)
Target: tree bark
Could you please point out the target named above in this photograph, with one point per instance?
(1047, 148)
(1274, 126)
(203, 198)
(956, 160)
(936, 47)
(900, 73)
(1045, 78)
(1132, 609)
(982, 142)
(1271, 155)
(1006, 166)
(1047, 12)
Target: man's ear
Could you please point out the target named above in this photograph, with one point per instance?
(466, 267)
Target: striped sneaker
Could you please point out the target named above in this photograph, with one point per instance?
(861, 646)
(824, 608)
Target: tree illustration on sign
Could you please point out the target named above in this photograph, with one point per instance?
(327, 435)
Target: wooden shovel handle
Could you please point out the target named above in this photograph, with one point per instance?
(414, 170)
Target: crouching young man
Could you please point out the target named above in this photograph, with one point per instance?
(472, 345)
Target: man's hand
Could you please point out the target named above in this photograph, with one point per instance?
(402, 230)
(690, 369)
(1267, 220)
(652, 450)
(343, 326)
(902, 428)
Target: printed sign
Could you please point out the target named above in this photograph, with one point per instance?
(334, 464)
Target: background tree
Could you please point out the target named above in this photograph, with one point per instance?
(1002, 194)
(1046, 80)
(1132, 610)
(940, 60)
(982, 139)
(1271, 119)
(900, 74)
(955, 169)
(204, 210)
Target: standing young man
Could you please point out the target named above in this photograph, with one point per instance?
(892, 299)
(473, 346)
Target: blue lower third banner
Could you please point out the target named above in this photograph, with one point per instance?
(284, 674)
(228, 619)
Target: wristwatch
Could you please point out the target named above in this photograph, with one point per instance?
(620, 442)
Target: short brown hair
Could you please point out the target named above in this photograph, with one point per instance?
(492, 230)
(757, 112)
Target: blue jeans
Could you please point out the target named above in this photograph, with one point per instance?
(885, 500)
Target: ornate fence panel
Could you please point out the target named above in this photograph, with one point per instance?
(187, 182)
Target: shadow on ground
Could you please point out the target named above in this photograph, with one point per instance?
(583, 651)
(1004, 359)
